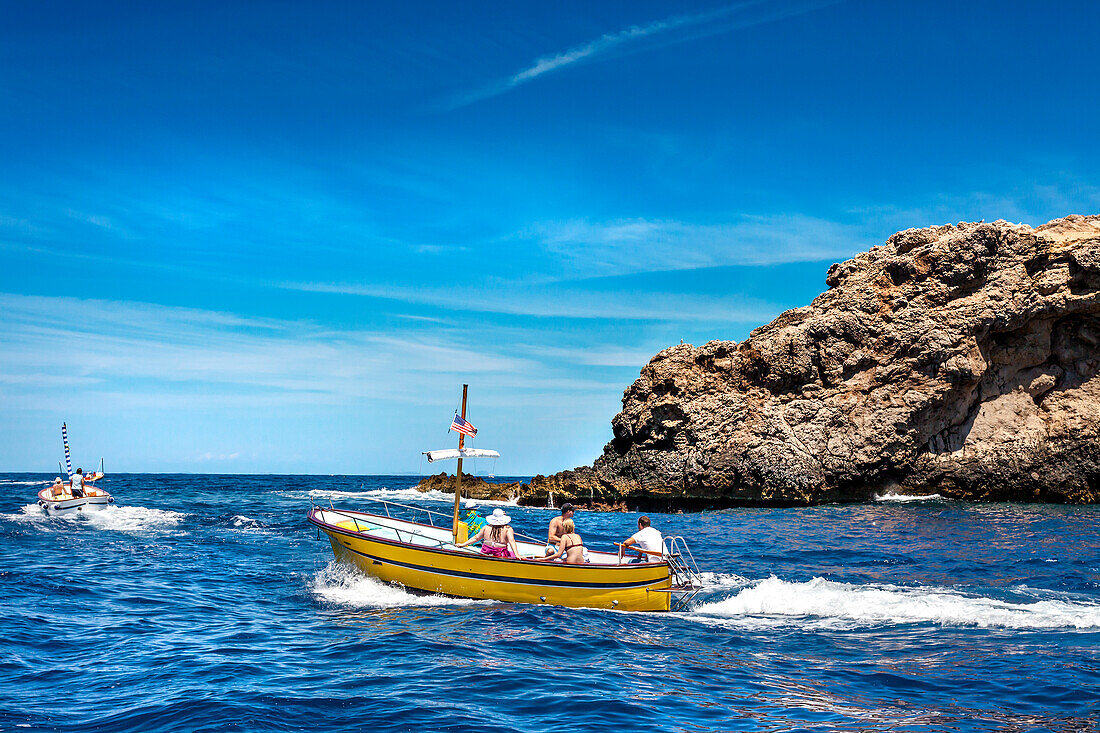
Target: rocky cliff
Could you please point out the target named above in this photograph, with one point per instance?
(960, 360)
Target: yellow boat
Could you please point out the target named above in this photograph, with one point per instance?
(426, 557)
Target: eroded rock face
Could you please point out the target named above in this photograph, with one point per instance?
(961, 360)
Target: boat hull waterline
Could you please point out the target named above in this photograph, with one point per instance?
(355, 539)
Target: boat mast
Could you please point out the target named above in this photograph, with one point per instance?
(458, 475)
(65, 442)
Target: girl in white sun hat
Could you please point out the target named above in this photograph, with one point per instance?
(496, 537)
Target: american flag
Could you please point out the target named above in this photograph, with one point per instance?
(461, 426)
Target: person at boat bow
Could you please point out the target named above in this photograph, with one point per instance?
(646, 538)
(496, 537)
(76, 484)
(555, 532)
(570, 545)
(473, 519)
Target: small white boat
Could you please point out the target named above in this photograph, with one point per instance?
(57, 499)
(65, 504)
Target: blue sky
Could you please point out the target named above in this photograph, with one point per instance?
(278, 237)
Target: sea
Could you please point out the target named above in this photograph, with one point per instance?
(208, 603)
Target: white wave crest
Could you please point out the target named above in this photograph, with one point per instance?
(114, 517)
(343, 585)
(716, 581)
(29, 514)
(5, 482)
(132, 519)
(893, 496)
(823, 603)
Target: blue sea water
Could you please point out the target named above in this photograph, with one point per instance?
(207, 603)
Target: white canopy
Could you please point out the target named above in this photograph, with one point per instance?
(439, 455)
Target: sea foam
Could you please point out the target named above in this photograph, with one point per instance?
(892, 496)
(821, 603)
(114, 517)
(133, 519)
(343, 585)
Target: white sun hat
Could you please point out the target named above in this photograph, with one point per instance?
(498, 518)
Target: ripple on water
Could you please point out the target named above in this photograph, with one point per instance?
(181, 612)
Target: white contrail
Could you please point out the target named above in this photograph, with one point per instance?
(714, 22)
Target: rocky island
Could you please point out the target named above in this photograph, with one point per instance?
(960, 360)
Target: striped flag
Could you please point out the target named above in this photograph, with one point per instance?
(68, 461)
(461, 426)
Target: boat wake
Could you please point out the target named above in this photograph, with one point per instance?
(5, 482)
(114, 518)
(720, 581)
(892, 496)
(31, 514)
(341, 585)
(825, 604)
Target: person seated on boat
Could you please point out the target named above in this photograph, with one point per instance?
(646, 538)
(58, 488)
(555, 532)
(570, 546)
(76, 484)
(473, 519)
(496, 537)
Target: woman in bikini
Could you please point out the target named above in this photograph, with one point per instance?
(570, 545)
(496, 537)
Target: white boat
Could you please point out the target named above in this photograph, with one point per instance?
(65, 504)
(57, 500)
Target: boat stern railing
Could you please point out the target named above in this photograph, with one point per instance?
(409, 513)
(409, 534)
(683, 572)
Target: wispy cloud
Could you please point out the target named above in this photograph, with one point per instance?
(637, 38)
(212, 456)
(550, 301)
(1033, 204)
(626, 246)
(135, 356)
(138, 348)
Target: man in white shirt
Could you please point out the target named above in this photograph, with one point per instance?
(646, 538)
(76, 484)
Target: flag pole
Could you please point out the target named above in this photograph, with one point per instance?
(65, 442)
(458, 475)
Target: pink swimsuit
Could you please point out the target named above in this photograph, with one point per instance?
(488, 547)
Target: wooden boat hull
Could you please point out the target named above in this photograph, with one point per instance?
(643, 587)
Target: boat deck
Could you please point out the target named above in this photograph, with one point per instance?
(47, 494)
(426, 535)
